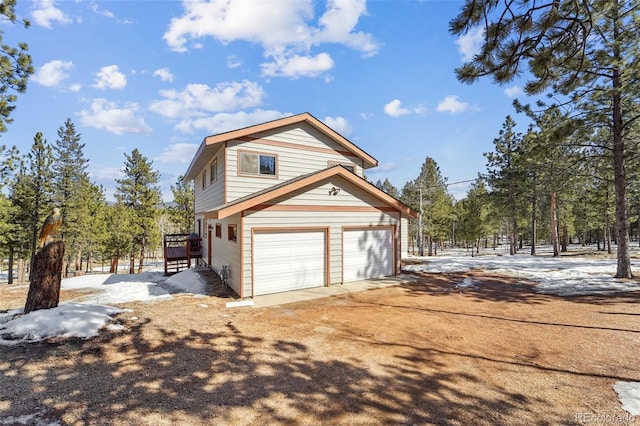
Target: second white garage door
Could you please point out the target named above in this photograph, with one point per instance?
(285, 261)
(367, 253)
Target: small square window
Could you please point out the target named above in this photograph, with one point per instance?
(218, 230)
(232, 232)
(213, 171)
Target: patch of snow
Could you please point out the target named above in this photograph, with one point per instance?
(560, 276)
(629, 395)
(66, 320)
(468, 282)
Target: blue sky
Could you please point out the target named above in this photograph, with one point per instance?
(161, 75)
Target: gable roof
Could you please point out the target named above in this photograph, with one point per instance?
(300, 182)
(211, 143)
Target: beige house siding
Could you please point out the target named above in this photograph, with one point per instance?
(297, 152)
(225, 252)
(213, 193)
(404, 238)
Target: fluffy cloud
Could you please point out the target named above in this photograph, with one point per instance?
(339, 124)
(225, 122)
(469, 44)
(164, 74)
(513, 91)
(105, 115)
(52, 73)
(452, 104)
(44, 12)
(286, 30)
(298, 66)
(197, 100)
(395, 109)
(180, 153)
(110, 77)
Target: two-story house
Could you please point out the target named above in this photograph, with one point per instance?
(284, 206)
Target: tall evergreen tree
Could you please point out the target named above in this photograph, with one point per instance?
(31, 195)
(504, 177)
(183, 213)
(16, 66)
(138, 191)
(585, 51)
(436, 206)
(71, 186)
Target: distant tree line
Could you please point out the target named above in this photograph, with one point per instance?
(94, 230)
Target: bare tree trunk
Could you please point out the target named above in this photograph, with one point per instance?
(534, 224)
(44, 290)
(21, 270)
(113, 269)
(10, 271)
(132, 263)
(554, 224)
(141, 265)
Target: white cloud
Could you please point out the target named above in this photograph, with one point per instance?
(164, 74)
(225, 122)
(513, 91)
(395, 109)
(75, 87)
(233, 61)
(452, 104)
(285, 29)
(469, 44)
(105, 115)
(44, 12)
(110, 77)
(339, 124)
(196, 100)
(381, 168)
(180, 153)
(52, 73)
(298, 66)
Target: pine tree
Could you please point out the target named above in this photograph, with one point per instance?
(138, 192)
(504, 177)
(183, 213)
(585, 51)
(72, 182)
(31, 195)
(16, 66)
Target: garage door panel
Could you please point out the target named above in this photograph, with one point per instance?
(367, 253)
(285, 261)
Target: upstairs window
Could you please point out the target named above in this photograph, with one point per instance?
(213, 171)
(218, 230)
(204, 179)
(257, 164)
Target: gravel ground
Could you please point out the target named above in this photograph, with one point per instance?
(494, 353)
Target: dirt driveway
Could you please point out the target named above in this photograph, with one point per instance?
(426, 353)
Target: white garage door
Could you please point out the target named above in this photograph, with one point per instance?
(367, 253)
(285, 261)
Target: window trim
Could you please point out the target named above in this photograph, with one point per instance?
(213, 171)
(218, 230)
(232, 232)
(258, 153)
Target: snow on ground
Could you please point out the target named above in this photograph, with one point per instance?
(560, 276)
(86, 315)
